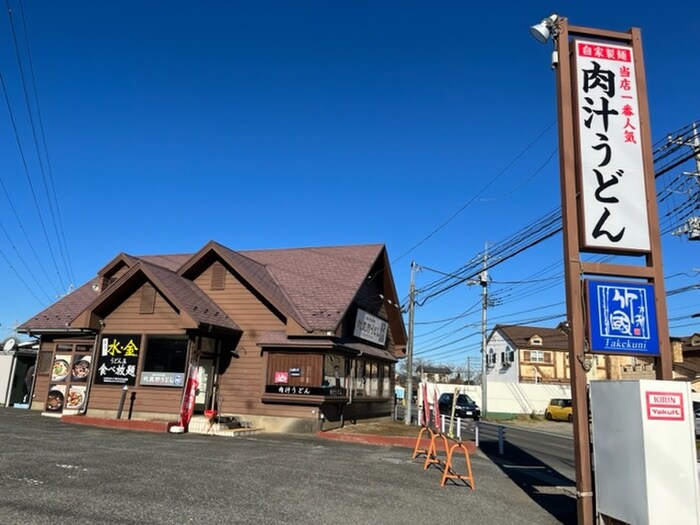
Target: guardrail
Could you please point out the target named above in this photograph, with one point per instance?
(480, 430)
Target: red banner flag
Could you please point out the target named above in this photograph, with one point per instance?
(188, 398)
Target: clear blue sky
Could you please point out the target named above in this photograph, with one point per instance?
(286, 124)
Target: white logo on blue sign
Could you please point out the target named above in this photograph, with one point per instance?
(622, 317)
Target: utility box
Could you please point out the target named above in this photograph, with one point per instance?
(644, 456)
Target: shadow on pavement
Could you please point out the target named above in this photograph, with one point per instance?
(552, 491)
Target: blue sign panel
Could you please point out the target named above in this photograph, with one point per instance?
(622, 318)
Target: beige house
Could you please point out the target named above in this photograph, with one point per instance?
(686, 359)
(535, 354)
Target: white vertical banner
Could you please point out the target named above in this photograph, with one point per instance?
(613, 191)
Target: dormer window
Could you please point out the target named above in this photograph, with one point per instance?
(695, 340)
(535, 340)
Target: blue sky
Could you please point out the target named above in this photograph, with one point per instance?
(430, 127)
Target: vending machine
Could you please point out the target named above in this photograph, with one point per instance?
(644, 451)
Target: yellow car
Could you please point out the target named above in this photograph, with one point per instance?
(559, 409)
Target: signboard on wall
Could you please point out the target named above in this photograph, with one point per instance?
(370, 328)
(611, 166)
(117, 360)
(622, 317)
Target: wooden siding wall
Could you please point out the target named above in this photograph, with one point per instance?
(242, 384)
(127, 319)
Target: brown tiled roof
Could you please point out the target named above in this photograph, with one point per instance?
(171, 262)
(320, 282)
(690, 366)
(314, 286)
(519, 335)
(59, 315)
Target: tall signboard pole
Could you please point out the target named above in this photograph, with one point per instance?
(608, 206)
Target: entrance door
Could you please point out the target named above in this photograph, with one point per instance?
(206, 383)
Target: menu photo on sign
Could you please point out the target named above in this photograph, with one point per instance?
(56, 398)
(80, 369)
(117, 360)
(61, 367)
(75, 398)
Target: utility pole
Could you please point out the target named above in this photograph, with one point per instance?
(409, 346)
(484, 282)
(692, 225)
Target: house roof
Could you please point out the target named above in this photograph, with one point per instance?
(319, 282)
(689, 367)
(520, 336)
(313, 286)
(59, 315)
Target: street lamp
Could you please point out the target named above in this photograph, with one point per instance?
(548, 27)
(542, 31)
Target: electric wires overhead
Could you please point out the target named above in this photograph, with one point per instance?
(50, 256)
(677, 194)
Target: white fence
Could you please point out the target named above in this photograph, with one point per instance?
(509, 398)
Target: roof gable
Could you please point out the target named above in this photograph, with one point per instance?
(528, 337)
(196, 309)
(312, 286)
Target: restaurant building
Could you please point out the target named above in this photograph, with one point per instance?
(292, 340)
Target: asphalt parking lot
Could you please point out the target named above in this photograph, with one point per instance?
(56, 473)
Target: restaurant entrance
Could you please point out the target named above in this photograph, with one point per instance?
(206, 374)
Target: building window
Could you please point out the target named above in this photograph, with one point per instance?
(372, 379)
(334, 374)
(538, 356)
(536, 340)
(491, 358)
(508, 356)
(164, 355)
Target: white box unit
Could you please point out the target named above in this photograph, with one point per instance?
(644, 455)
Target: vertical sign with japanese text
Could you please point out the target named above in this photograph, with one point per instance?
(613, 190)
(117, 360)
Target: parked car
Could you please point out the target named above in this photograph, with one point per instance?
(559, 409)
(465, 407)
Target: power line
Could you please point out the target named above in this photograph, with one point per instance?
(478, 194)
(37, 149)
(63, 246)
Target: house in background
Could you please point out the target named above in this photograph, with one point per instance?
(535, 354)
(434, 374)
(686, 359)
(284, 339)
